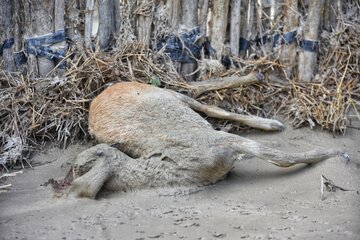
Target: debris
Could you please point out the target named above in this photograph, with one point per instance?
(329, 186)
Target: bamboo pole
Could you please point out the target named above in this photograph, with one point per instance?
(235, 24)
(189, 21)
(288, 50)
(7, 34)
(308, 59)
(218, 25)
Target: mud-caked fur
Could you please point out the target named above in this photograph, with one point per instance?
(157, 139)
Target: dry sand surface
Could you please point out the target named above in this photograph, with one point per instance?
(256, 201)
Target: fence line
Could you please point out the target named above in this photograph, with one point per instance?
(288, 29)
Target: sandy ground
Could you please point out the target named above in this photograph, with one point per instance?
(256, 201)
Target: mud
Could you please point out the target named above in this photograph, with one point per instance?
(256, 201)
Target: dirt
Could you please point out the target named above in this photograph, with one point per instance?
(256, 201)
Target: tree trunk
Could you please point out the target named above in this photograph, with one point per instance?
(288, 50)
(235, 27)
(218, 25)
(308, 59)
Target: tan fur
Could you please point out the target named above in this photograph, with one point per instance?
(160, 141)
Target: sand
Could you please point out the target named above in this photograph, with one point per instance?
(256, 201)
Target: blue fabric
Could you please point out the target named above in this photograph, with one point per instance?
(185, 48)
(8, 43)
(309, 46)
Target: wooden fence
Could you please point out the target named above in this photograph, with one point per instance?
(35, 35)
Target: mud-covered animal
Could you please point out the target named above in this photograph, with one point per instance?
(153, 137)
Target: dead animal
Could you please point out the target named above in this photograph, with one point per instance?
(153, 137)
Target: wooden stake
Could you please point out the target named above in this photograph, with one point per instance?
(40, 16)
(173, 8)
(235, 27)
(59, 23)
(218, 25)
(189, 20)
(117, 17)
(144, 24)
(105, 22)
(90, 5)
(247, 24)
(288, 51)
(7, 33)
(203, 15)
(308, 59)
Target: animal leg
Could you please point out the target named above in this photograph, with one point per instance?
(250, 120)
(280, 158)
(89, 184)
(92, 168)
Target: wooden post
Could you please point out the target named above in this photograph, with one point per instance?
(105, 22)
(59, 23)
(203, 15)
(308, 59)
(173, 12)
(73, 22)
(19, 30)
(117, 17)
(89, 13)
(247, 24)
(331, 9)
(235, 27)
(173, 8)
(218, 25)
(288, 50)
(7, 34)
(189, 20)
(144, 23)
(274, 12)
(39, 17)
